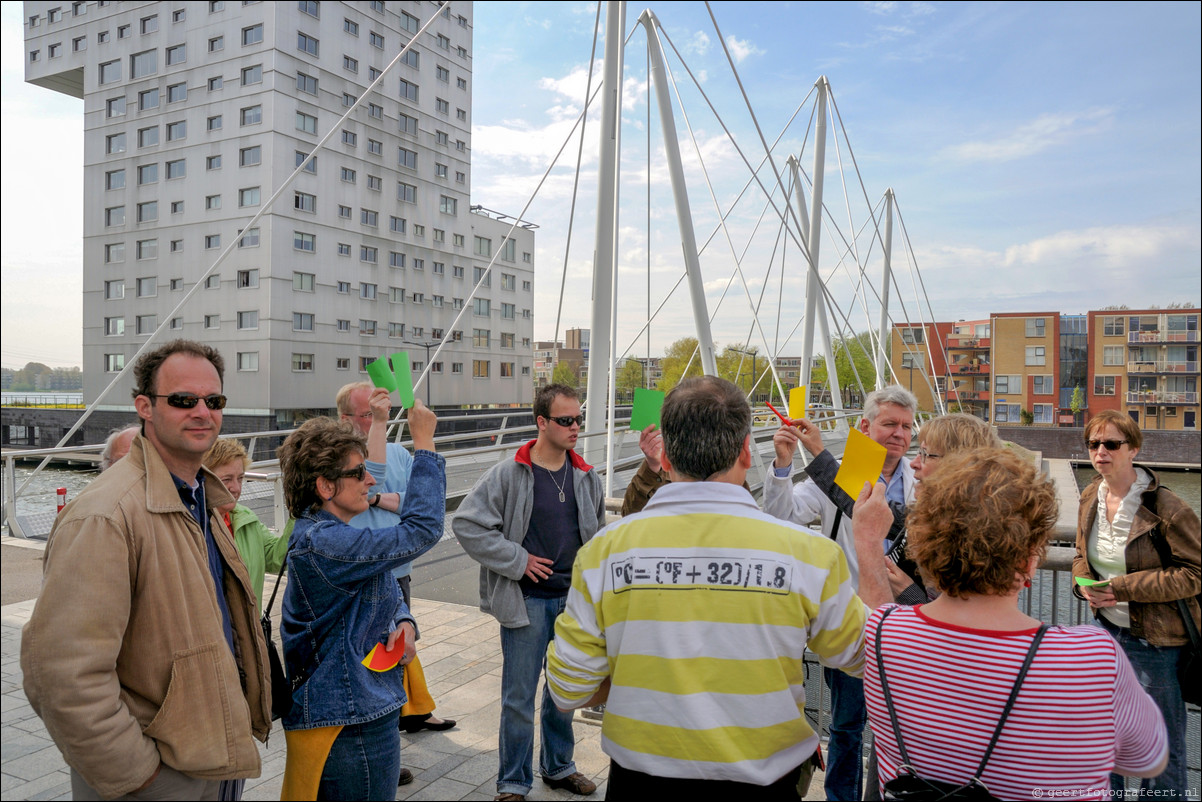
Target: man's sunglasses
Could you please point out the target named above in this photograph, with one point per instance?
(355, 473)
(566, 421)
(190, 400)
(1111, 445)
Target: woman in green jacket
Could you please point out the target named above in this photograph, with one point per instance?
(259, 548)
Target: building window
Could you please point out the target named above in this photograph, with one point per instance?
(461, 115)
(1042, 413)
(461, 83)
(375, 147)
(213, 162)
(114, 290)
(350, 64)
(310, 164)
(79, 44)
(248, 278)
(115, 143)
(302, 363)
(912, 336)
(304, 242)
(250, 239)
(177, 207)
(248, 360)
(408, 90)
(407, 193)
(508, 281)
(306, 123)
(114, 326)
(140, 65)
(508, 311)
(407, 158)
(304, 202)
(252, 75)
(444, 42)
(408, 125)
(213, 282)
(147, 249)
(248, 319)
(214, 123)
(441, 106)
(410, 23)
(252, 35)
(367, 328)
(212, 241)
(1036, 355)
(396, 259)
(302, 282)
(177, 54)
(375, 111)
(344, 249)
(1006, 413)
(306, 83)
(114, 363)
(481, 276)
(368, 217)
(1112, 354)
(176, 168)
(350, 26)
(177, 246)
(349, 138)
(177, 130)
(115, 107)
(302, 321)
(1036, 327)
(367, 291)
(248, 157)
(347, 175)
(508, 340)
(480, 368)
(148, 211)
(307, 44)
(216, 44)
(343, 325)
(368, 254)
(438, 268)
(483, 248)
(148, 24)
(507, 370)
(1042, 385)
(148, 174)
(481, 338)
(1112, 326)
(114, 252)
(376, 40)
(1103, 385)
(147, 287)
(448, 205)
(456, 271)
(443, 74)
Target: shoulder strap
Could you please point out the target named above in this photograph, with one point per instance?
(901, 747)
(1165, 553)
(835, 534)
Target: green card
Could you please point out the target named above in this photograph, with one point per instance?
(381, 375)
(863, 459)
(1092, 583)
(404, 378)
(647, 406)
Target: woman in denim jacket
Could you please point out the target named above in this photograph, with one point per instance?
(342, 601)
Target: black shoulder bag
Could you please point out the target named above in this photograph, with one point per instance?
(908, 786)
(1189, 663)
(281, 689)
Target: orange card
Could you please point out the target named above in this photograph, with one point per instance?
(381, 659)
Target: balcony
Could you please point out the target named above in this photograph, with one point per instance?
(969, 369)
(970, 395)
(1161, 397)
(1162, 337)
(974, 343)
(1162, 366)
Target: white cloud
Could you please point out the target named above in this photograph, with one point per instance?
(698, 44)
(1045, 131)
(740, 49)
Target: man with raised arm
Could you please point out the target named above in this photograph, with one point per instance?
(523, 522)
(144, 656)
(690, 619)
(888, 419)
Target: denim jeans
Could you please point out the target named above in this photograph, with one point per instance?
(1156, 669)
(364, 762)
(849, 716)
(524, 654)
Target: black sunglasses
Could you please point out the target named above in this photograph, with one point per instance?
(190, 400)
(566, 421)
(355, 473)
(1111, 445)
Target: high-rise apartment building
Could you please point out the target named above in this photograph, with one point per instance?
(196, 112)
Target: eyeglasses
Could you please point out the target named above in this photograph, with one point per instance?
(566, 421)
(1111, 445)
(190, 400)
(363, 415)
(355, 473)
(925, 455)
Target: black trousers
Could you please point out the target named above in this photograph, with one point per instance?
(630, 784)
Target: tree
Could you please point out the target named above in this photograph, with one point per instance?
(674, 362)
(564, 374)
(630, 378)
(855, 350)
(1077, 402)
(1026, 417)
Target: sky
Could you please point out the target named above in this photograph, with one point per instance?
(1044, 157)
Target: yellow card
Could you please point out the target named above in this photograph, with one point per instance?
(863, 459)
(797, 403)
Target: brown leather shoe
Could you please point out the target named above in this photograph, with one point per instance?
(509, 798)
(575, 782)
(405, 778)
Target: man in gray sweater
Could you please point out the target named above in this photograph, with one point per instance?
(524, 522)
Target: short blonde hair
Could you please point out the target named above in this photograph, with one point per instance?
(957, 432)
(343, 400)
(223, 451)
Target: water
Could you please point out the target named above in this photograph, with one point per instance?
(41, 398)
(41, 495)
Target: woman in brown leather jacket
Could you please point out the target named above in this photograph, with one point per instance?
(1121, 515)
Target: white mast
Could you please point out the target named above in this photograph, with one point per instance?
(882, 360)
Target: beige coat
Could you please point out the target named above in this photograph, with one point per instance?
(1151, 589)
(124, 657)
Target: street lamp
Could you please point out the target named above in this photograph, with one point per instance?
(429, 371)
(751, 354)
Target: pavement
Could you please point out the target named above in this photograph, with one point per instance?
(460, 650)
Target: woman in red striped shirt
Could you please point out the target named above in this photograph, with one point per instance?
(979, 531)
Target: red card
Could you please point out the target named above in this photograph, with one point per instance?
(381, 659)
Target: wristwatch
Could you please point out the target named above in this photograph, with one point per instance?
(374, 501)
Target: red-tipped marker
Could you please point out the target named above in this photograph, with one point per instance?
(783, 419)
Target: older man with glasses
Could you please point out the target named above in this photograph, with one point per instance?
(523, 522)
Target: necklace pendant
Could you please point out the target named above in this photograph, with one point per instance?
(562, 498)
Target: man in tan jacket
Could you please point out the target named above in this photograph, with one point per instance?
(144, 657)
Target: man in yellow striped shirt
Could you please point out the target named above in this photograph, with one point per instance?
(694, 614)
